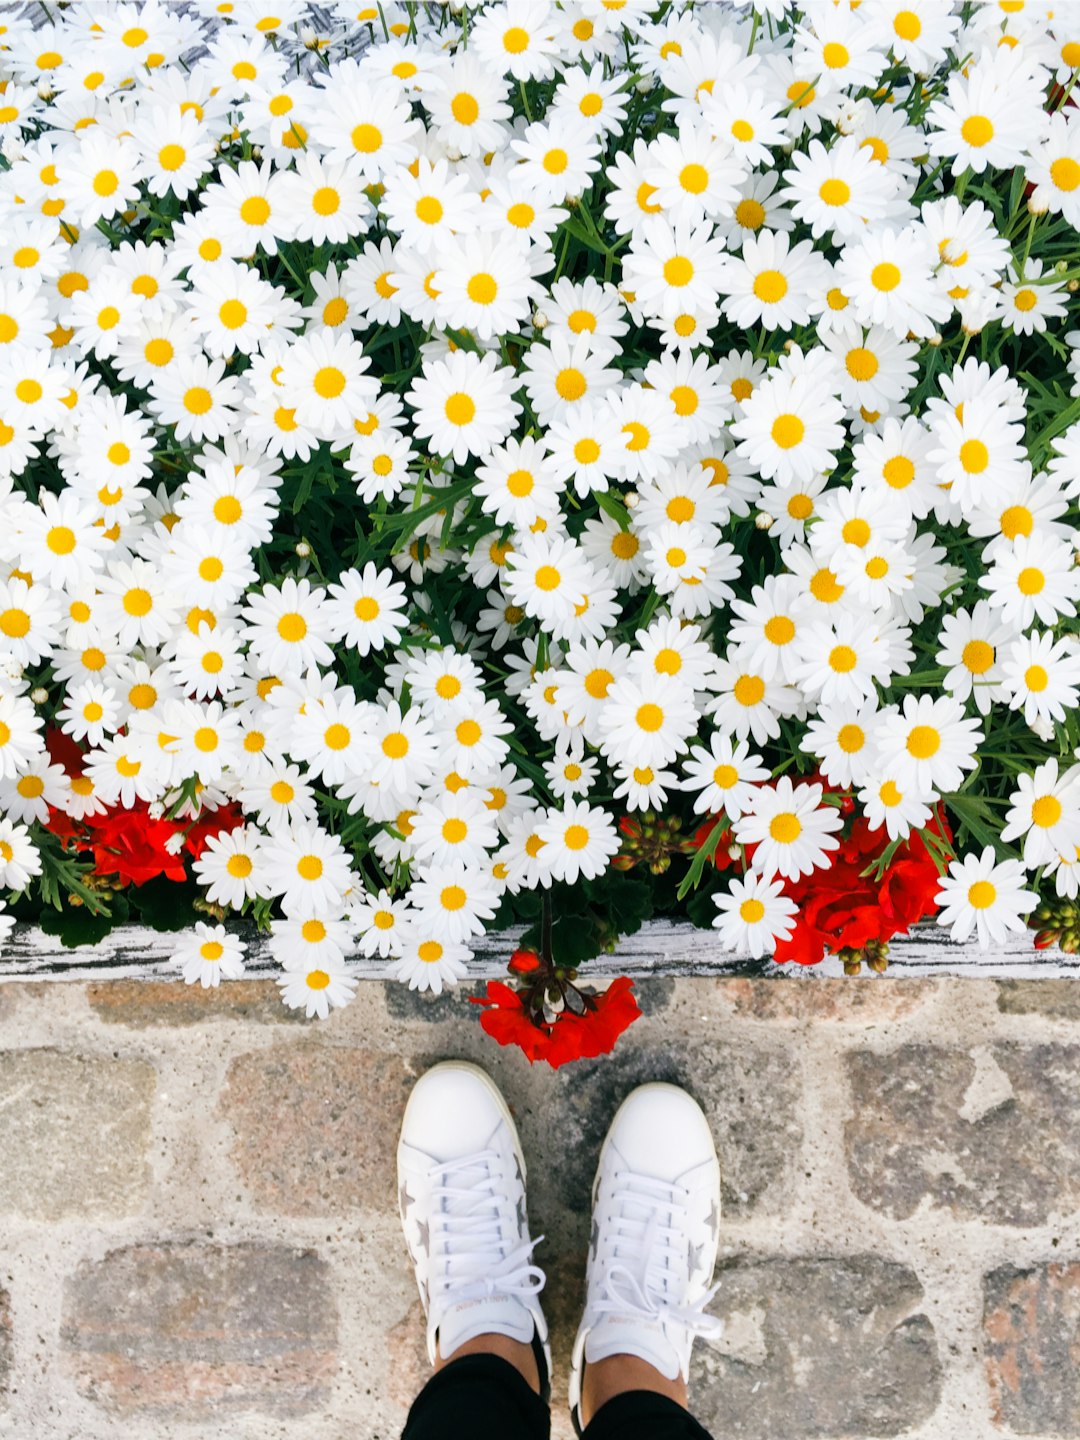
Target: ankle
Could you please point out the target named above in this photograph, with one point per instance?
(602, 1380)
(518, 1353)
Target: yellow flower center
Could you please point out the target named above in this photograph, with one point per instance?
(460, 408)
(787, 431)
(1046, 811)
(923, 741)
(785, 828)
(749, 690)
(862, 364)
(835, 192)
(977, 131)
(770, 286)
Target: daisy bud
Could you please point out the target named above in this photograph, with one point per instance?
(1037, 204)
(936, 339)
(735, 850)
(303, 549)
(540, 320)
(155, 809)
(644, 85)
(1061, 267)
(308, 38)
(1073, 286)
(39, 695)
(631, 499)
(256, 152)
(175, 843)
(763, 520)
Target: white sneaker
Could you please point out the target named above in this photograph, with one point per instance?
(655, 1234)
(461, 1191)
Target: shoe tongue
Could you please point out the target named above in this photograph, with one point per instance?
(503, 1314)
(632, 1335)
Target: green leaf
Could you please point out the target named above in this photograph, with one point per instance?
(701, 859)
(582, 235)
(574, 941)
(614, 507)
(165, 904)
(78, 925)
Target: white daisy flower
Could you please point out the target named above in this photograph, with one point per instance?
(1037, 578)
(322, 985)
(210, 955)
(381, 921)
(299, 946)
(578, 840)
(463, 405)
(841, 736)
(745, 703)
(19, 856)
(307, 869)
(754, 914)
(793, 832)
(1044, 809)
(900, 810)
(928, 744)
(20, 737)
(453, 901)
(724, 776)
(427, 962)
(229, 867)
(986, 896)
(790, 427)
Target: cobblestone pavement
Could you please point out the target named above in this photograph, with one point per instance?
(198, 1235)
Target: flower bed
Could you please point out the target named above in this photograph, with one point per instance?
(540, 468)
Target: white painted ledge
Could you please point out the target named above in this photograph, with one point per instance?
(661, 948)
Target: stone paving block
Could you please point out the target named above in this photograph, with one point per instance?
(74, 1133)
(1056, 999)
(990, 1135)
(315, 1126)
(751, 1095)
(193, 1331)
(145, 1004)
(1031, 1320)
(852, 1001)
(817, 1347)
(7, 1356)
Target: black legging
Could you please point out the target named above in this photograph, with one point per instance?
(483, 1397)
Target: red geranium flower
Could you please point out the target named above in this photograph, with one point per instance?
(131, 844)
(840, 908)
(569, 1036)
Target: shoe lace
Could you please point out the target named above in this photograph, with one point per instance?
(643, 1255)
(471, 1257)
